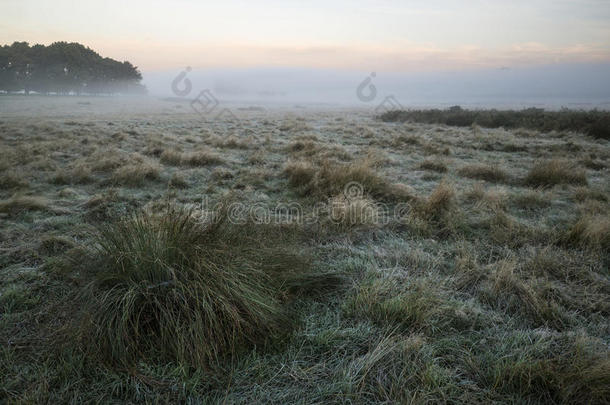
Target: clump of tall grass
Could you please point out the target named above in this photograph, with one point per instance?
(136, 174)
(438, 214)
(175, 287)
(590, 231)
(484, 172)
(80, 174)
(433, 165)
(553, 172)
(348, 212)
(202, 157)
(328, 179)
(11, 180)
(20, 203)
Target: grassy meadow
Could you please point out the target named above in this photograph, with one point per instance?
(143, 257)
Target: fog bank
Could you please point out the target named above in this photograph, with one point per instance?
(555, 86)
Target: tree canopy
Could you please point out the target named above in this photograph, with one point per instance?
(64, 68)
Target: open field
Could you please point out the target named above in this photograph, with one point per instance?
(416, 263)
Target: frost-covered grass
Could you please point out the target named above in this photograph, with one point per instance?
(488, 280)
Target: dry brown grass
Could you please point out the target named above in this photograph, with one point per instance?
(221, 173)
(507, 291)
(300, 173)
(582, 194)
(506, 230)
(202, 157)
(441, 200)
(20, 203)
(107, 160)
(434, 165)
(349, 212)
(485, 172)
(554, 172)
(328, 179)
(79, 174)
(10, 180)
(304, 147)
(438, 215)
(171, 157)
(136, 174)
(178, 181)
(258, 157)
(494, 199)
(530, 200)
(590, 231)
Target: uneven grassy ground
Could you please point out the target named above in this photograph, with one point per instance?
(486, 281)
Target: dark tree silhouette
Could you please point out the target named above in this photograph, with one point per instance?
(64, 68)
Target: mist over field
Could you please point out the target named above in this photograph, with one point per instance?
(553, 86)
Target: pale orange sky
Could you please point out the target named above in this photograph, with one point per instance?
(360, 35)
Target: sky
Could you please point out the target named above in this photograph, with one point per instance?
(386, 35)
(391, 36)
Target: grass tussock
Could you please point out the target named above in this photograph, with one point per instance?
(582, 194)
(437, 215)
(434, 165)
(203, 157)
(178, 181)
(553, 172)
(107, 160)
(493, 199)
(300, 173)
(171, 157)
(80, 174)
(590, 231)
(10, 180)
(506, 291)
(173, 287)
(485, 172)
(136, 174)
(21, 203)
(530, 200)
(358, 211)
(329, 179)
(506, 230)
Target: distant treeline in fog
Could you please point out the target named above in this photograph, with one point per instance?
(64, 68)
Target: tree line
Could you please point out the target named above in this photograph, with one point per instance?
(64, 68)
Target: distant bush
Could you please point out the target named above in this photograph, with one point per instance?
(594, 123)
